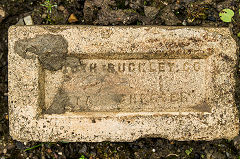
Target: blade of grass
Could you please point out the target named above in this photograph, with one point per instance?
(30, 148)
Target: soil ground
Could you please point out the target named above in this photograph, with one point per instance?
(112, 12)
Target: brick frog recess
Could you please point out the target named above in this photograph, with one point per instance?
(89, 83)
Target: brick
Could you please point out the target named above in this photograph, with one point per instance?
(98, 83)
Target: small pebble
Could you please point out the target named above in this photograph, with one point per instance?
(72, 18)
(208, 1)
(28, 20)
(44, 16)
(4, 151)
(236, 142)
(227, 154)
(20, 22)
(184, 23)
(49, 150)
(2, 14)
(42, 156)
(150, 12)
(83, 149)
(19, 145)
(61, 8)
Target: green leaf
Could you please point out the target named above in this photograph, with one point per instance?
(188, 151)
(82, 157)
(33, 147)
(226, 15)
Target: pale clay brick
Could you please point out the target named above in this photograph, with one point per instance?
(121, 83)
